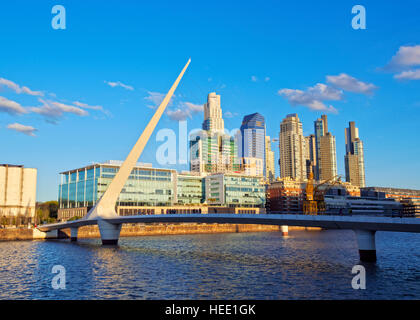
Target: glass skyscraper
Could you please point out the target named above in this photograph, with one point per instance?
(252, 139)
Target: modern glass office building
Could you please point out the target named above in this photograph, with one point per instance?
(252, 140)
(235, 190)
(146, 186)
(189, 189)
(151, 190)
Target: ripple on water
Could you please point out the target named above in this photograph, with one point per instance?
(305, 265)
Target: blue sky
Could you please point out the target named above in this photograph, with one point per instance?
(80, 95)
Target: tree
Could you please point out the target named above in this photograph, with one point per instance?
(47, 211)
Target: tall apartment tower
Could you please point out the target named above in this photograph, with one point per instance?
(292, 149)
(213, 117)
(354, 158)
(211, 150)
(252, 142)
(270, 172)
(310, 154)
(326, 158)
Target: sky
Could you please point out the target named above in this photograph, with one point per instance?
(70, 97)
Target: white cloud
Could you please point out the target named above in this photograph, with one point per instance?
(178, 114)
(11, 107)
(155, 97)
(408, 75)
(348, 83)
(407, 56)
(404, 62)
(86, 106)
(194, 108)
(53, 109)
(119, 84)
(28, 130)
(184, 111)
(229, 114)
(313, 97)
(18, 89)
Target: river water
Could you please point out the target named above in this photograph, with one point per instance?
(264, 265)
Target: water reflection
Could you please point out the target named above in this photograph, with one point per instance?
(305, 265)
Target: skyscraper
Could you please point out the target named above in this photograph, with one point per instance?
(213, 120)
(270, 172)
(326, 160)
(292, 148)
(310, 154)
(252, 141)
(211, 150)
(354, 158)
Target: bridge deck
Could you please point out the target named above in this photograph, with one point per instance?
(373, 223)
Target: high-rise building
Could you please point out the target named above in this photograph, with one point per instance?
(17, 194)
(270, 172)
(326, 160)
(292, 149)
(213, 117)
(251, 143)
(354, 158)
(211, 150)
(310, 155)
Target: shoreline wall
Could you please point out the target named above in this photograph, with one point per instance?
(133, 230)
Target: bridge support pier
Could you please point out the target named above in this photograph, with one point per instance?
(284, 230)
(73, 234)
(109, 232)
(367, 247)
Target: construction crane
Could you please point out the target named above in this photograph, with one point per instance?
(314, 203)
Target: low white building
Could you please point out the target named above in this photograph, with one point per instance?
(17, 193)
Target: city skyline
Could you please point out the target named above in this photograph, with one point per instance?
(70, 98)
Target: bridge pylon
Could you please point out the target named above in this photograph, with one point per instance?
(73, 234)
(367, 247)
(105, 207)
(110, 232)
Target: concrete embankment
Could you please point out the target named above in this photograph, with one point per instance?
(16, 234)
(134, 230)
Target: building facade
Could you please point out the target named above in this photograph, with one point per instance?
(212, 150)
(252, 138)
(326, 159)
(292, 149)
(310, 154)
(251, 166)
(151, 190)
(213, 116)
(409, 198)
(286, 195)
(270, 170)
(17, 194)
(234, 190)
(146, 186)
(354, 157)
